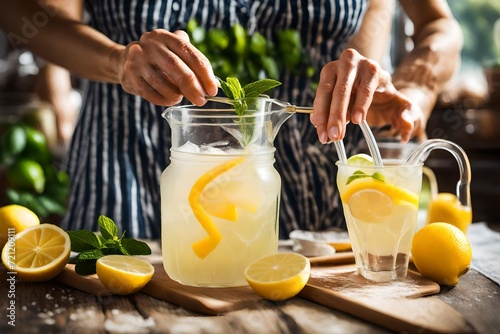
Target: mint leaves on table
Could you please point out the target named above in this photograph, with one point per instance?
(244, 99)
(91, 247)
(359, 174)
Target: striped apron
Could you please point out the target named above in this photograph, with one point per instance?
(121, 143)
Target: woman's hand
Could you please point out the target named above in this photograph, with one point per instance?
(162, 67)
(354, 88)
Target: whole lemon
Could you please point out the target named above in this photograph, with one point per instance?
(441, 252)
(17, 218)
(447, 208)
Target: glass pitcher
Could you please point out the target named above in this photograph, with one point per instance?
(220, 195)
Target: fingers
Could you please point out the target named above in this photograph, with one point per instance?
(323, 102)
(346, 91)
(368, 81)
(162, 67)
(197, 62)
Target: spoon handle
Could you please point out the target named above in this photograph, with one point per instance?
(304, 110)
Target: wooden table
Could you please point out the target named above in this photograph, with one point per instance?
(52, 307)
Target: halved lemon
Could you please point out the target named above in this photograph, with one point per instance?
(38, 253)
(123, 274)
(278, 276)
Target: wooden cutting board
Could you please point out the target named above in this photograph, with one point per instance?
(334, 284)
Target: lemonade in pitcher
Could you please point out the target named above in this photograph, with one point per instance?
(221, 215)
(380, 207)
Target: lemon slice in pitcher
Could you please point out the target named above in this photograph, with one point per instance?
(205, 246)
(224, 199)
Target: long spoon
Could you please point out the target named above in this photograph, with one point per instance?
(339, 145)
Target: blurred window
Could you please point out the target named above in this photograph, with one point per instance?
(480, 22)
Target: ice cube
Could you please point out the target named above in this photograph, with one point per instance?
(189, 147)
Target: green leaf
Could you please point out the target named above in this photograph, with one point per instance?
(378, 176)
(107, 227)
(356, 175)
(235, 87)
(83, 240)
(111, 243)
(254, 89)
(91, 254)
(86, 267)
(135, 247)
(359, 174)
(226, 89)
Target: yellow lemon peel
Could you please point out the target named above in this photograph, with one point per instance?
(398, 195)
(205, 246)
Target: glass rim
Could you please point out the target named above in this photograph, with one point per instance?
(419, 164)
(228, 112)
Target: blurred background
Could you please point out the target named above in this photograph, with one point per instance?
(468, 113)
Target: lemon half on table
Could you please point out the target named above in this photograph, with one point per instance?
(39, 253)
(278, 276)
(123, 274)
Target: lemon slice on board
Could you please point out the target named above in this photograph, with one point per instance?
(278, 276)
(123, 274)
(205, 246)
(39, 253)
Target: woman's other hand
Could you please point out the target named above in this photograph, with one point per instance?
(164, 66)
(355, 88)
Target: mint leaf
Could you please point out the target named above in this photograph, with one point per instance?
(243, 99)
(85, 267)
(135, 247)
(83, 240)
(91, 254)
(359, 174)
(92, 247)
(107, 227)
(225, 88)
(378, 176)
(235, 87)
(254, 89)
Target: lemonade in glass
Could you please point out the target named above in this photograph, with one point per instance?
(381, 208)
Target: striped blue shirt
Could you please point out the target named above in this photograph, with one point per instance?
(121, 143)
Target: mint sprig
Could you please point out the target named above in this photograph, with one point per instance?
(91, 247)
(244, 99)
(359, 174)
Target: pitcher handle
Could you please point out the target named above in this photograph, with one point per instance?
(421, 153)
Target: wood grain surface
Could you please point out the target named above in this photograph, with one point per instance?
(336, 286)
